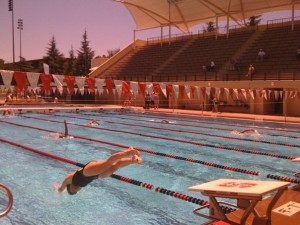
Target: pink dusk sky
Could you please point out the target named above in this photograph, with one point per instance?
(109, 25)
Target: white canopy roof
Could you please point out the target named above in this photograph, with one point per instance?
(184, 14)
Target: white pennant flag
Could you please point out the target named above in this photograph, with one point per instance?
(134, 87)
(226, 93)
(33, 79)
(80, 81)
(208, 92)
(163, 88)
(251, 94)
(188, 90)
(99, 84)
(244, 93)
(7, 78)
(176, 90)
(198, 91)
(149, 87)
(218, 93)
(58, 80)
(118, 85)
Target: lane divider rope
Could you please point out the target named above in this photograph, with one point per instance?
(254, 152)
(121, 178)
(172, 156)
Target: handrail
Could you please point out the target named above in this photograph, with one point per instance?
(10, 200)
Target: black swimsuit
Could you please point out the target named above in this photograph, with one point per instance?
(80, 180)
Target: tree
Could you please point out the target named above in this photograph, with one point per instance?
(1, 64)
(254, 20)
(54, 58)
(84, 57)
(71, 63)
(210, 27)
(112, 52)
(24, 65)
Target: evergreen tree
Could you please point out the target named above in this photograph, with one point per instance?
(112, 52)
(254, 20)
(24, 65)
(54, 58)
(84, 57)
(1, 64)
(210, 27)
(71, 63)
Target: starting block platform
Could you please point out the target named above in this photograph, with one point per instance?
(247, 193)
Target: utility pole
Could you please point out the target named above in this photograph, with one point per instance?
(11, 9)
(20, 27)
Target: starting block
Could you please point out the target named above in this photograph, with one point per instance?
(247, 193)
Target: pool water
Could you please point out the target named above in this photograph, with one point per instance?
(32, 177)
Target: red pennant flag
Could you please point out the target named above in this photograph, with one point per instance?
(126, 87)
(231, 93)
(46, 80)
(20, 78)
(169, 88)
(91, 81)
(203, 91)
(222, 93)
(109, 85)
(70, 80)
(181, 90)
(193, 89)
(142, 86)
(156, 88)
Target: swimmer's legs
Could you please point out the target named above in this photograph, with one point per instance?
(99, 167)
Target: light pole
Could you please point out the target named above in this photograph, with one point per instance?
(11, 9)
(20, 27)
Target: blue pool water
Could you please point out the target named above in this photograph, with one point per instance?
(32, 177)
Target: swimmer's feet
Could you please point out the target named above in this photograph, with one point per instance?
(132, 151)
(137, 159)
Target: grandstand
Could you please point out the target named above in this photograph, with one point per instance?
(182, 58)
(179, 60)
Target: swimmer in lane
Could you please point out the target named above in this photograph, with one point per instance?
(66, 134)
(92, 122)
(74, 181)
(248, 131)
(165, 121)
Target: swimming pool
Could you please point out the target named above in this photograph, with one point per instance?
(186, 152)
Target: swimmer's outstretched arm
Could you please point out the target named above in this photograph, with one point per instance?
(66, 129)
(67, 181)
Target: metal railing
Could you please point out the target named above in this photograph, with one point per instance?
(10, 200)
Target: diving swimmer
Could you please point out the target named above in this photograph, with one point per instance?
(74, 181)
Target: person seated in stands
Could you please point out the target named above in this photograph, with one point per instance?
(251, 71)
(204, 70)
(212, 66)
(298, 53)
(92, 123)
(261, 55)
(232, 65)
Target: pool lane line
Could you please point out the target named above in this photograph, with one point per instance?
(202, 121)
(148, 186)
(176, 140)
(194, 132)
(191, 160)
(173, 124)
